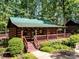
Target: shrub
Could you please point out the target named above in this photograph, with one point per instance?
(4, 43)
(71, 42)
(46, 43)
(46, 49)
(1, 42)
(55, 46)
(15, 46)
(14, 58)
(29, 56)
(59, 46)
(26, 56)
(56, 42)
(2, 50)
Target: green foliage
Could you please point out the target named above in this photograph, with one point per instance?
(49, 43)
(16, 46)
(2, 50)
(26, 56)
(47, 49)
(2, 26)
(4, 43)
(59, 46)
(29, 56)
(72, 40)
(46, 43)
(55, 46)
(14, 58)
(56, 42)
(51, 9)
(1, 42)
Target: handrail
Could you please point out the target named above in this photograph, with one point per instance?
(36, 42)
(25, 42)
(54, 34)
(42, 37)
(51, 36)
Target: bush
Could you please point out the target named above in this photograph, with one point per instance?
(46, 43)
(46, 49)
(26, 56)
(29, 56)
(1, 42)
(16, 46)
(4, 43)
(71, 42)
(2, 50)
(14, 58)
(55, 46)
(56, 42)
(59, 46)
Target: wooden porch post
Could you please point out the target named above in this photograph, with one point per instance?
(36, 33)
(36, 41)
(22, 33)
(64, 32)
(47, 34)
(57, 33)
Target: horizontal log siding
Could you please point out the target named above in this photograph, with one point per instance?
(52, 31)
(12, 32)
(18, 32)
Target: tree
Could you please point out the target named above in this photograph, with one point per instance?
(49, 9)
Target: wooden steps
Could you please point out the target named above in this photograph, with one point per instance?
(31, 47)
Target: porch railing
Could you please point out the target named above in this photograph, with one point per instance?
(51, 36)
(4, 36)
(25, 43)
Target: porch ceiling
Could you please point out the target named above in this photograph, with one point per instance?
(24, 22)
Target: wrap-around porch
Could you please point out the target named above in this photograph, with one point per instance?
(37, 35)
(43, 33)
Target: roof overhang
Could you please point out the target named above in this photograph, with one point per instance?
(24, 22)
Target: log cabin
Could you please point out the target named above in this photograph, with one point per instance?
(32, 29)
(72, 26)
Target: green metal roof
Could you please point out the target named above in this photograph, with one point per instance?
(25, 22)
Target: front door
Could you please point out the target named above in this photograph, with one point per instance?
(27, 34)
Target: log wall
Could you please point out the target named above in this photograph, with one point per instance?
(18, 32)
(52, 31)
(12, 32)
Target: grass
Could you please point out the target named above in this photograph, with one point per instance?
(29, 56)
(26, 56)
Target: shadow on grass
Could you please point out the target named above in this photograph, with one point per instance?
(64, 55)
